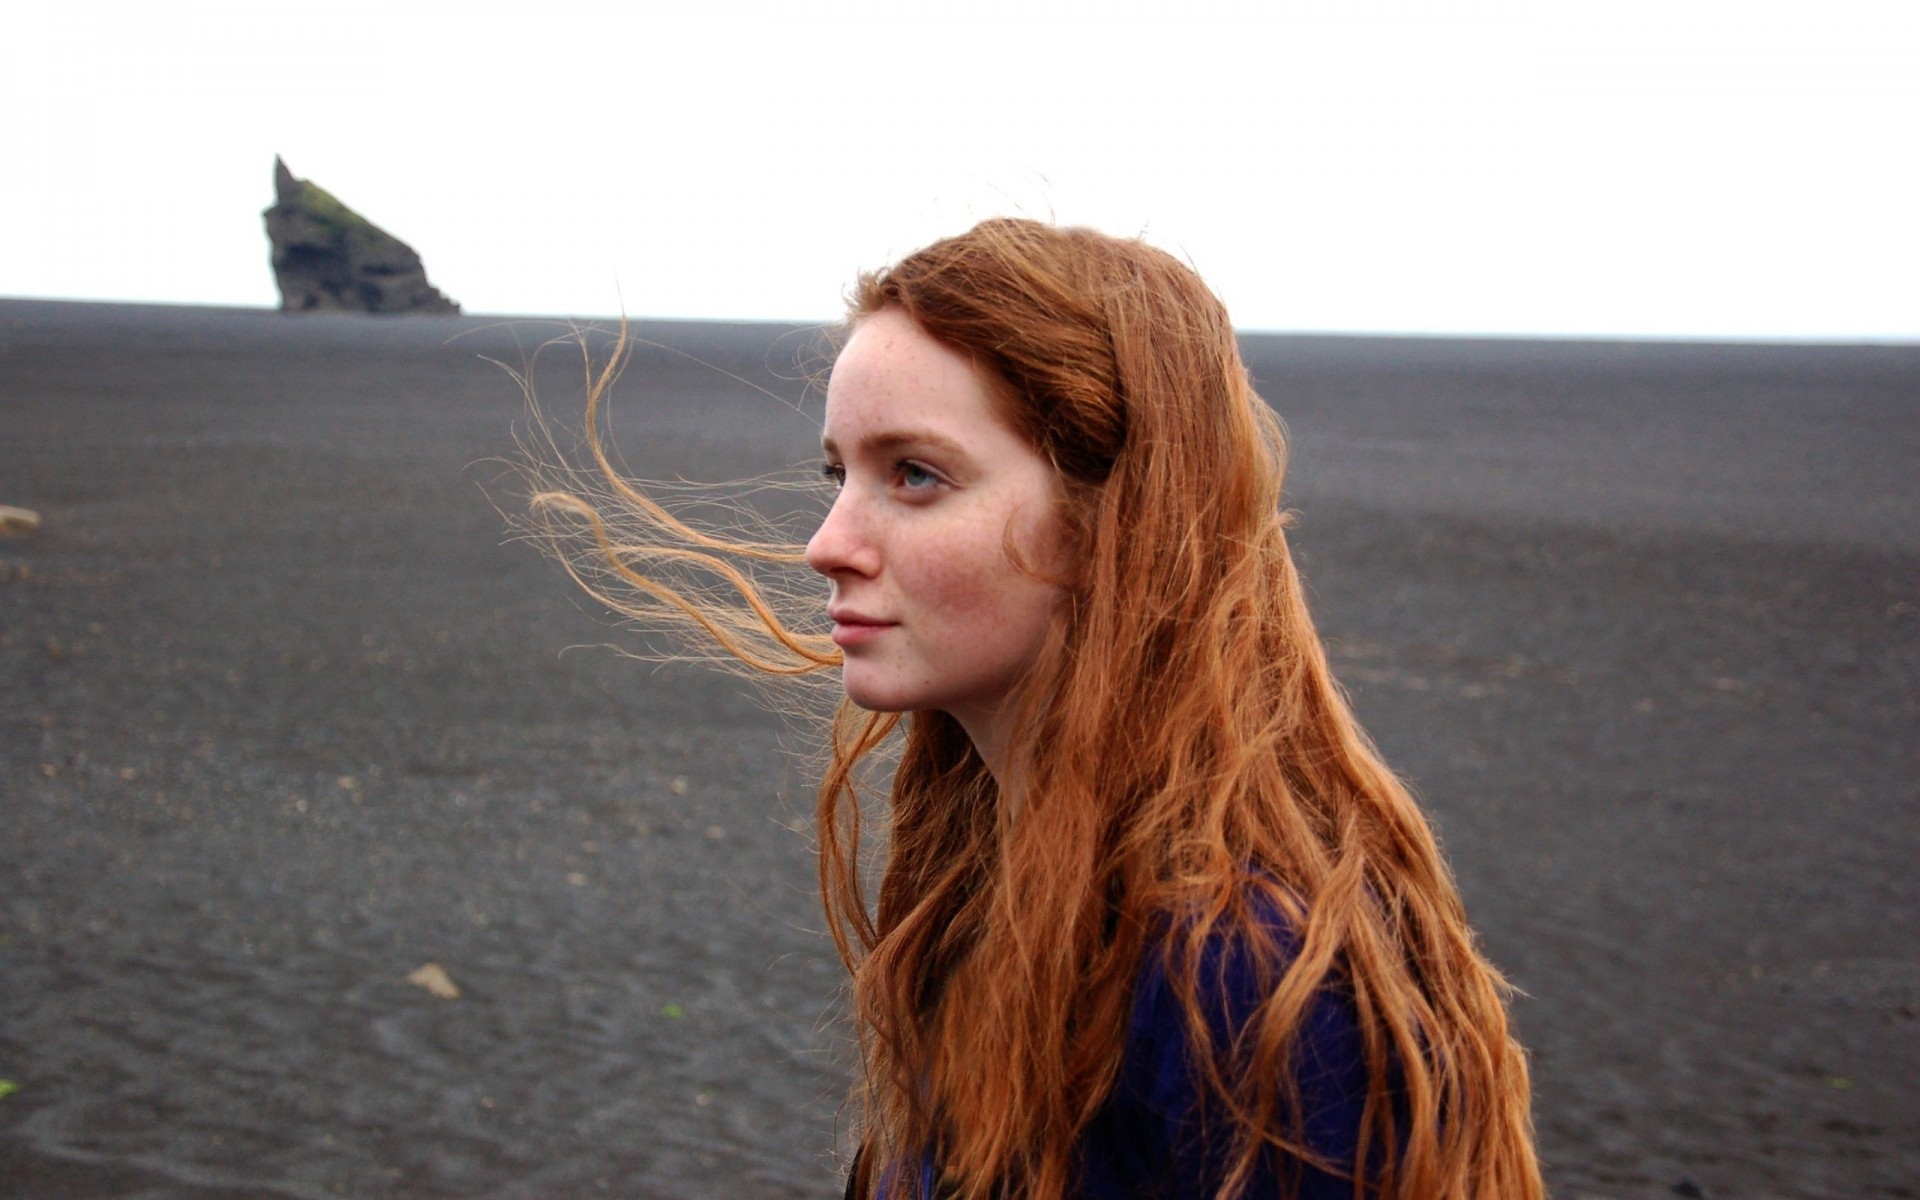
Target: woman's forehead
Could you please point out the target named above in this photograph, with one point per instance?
(894, 382)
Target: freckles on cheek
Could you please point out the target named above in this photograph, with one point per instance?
(973, 581)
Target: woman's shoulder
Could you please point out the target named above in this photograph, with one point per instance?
(1231, 944)
(1228, 965)
(1164, 1120)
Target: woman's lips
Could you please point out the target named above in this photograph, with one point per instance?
(850, 631)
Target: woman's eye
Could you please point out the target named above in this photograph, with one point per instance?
(915, 477)
(835, 474)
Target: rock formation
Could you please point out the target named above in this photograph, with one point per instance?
(328, 258)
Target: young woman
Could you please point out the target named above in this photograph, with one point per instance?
(1155, 919)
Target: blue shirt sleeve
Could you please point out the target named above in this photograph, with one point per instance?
(1162, 1135)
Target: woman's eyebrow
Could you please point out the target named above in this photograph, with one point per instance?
(896, 440)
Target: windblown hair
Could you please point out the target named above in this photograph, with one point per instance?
(1191, 768)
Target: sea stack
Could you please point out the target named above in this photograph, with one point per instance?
(328, 258)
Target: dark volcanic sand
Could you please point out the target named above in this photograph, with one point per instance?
(283, 717)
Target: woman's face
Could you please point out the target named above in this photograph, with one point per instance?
(928, 607)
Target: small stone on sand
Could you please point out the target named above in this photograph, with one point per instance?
(17, 522)
(433, 979)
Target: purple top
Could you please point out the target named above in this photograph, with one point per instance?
(1150, 1141)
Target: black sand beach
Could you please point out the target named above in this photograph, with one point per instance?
(284, 716)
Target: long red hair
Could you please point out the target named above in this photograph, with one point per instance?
(1190, 768)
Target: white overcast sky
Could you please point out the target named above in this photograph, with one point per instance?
(1720, 168)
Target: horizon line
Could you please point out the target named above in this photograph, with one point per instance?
(1435, 335)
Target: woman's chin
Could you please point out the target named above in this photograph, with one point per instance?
(876, 697)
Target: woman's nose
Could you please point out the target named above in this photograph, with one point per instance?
(840, 545)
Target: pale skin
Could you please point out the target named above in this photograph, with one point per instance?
(928, 608)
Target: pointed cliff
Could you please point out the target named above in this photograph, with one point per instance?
(328, 258)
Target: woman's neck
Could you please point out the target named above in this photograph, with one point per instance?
(992, 740)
